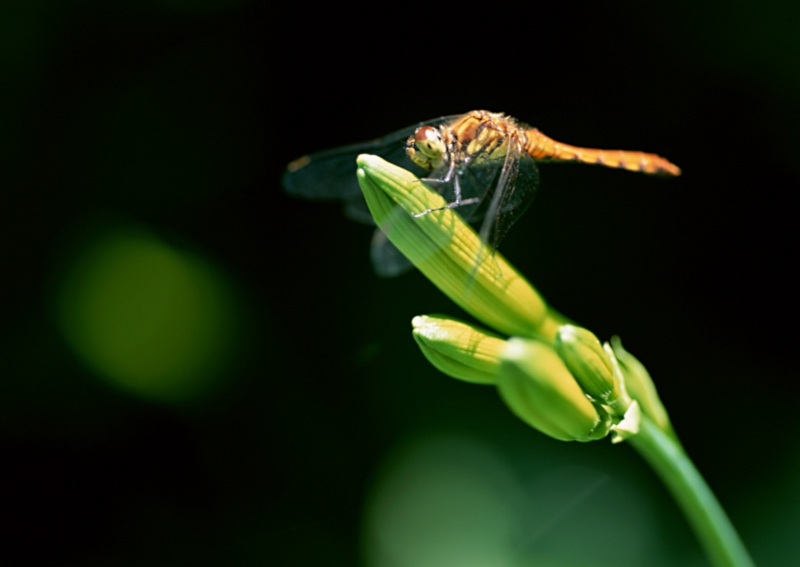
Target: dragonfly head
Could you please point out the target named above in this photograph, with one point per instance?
(426, 148)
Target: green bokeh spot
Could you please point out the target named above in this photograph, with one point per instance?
(148, 318)
(440, 502)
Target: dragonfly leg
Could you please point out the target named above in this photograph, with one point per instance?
(456, 189)
(454, 175)
(452, 205)
(439, 181)
(435, 183)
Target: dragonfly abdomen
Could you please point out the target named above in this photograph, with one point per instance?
(544, 148)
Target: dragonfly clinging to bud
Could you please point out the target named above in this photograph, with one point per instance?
(482, 163)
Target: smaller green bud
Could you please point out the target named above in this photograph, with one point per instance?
(584, 356)
(535, 383)
(458, 349)
(641, 386)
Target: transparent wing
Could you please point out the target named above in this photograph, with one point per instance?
(511, 196)
(331, 174)
(387, 260)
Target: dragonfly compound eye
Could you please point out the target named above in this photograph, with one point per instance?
(428, 141)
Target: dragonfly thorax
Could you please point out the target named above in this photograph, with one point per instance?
(426, 148)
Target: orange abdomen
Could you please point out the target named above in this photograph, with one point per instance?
(542, 147)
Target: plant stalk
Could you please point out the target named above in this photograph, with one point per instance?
(701, 508)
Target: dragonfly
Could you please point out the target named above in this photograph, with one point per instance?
(484, 164)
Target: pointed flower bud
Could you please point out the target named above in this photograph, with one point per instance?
(459, 349)
(535, 383)
(450, 254)
(641, 386)
(584, 356)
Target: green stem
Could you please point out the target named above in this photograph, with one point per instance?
(709, 521)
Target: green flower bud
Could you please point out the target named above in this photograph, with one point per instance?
(450, 254)
(641, 387)
(459, 349)
(587, 361)
(537, 386)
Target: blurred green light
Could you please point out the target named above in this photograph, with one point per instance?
(441, 502)
(148, 318)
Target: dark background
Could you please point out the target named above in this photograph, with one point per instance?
(178, 118)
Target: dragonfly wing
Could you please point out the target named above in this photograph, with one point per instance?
(357, 210)
(331, 174)
(387, 260)
(512, 194)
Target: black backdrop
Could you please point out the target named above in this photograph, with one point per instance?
(180, 117)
